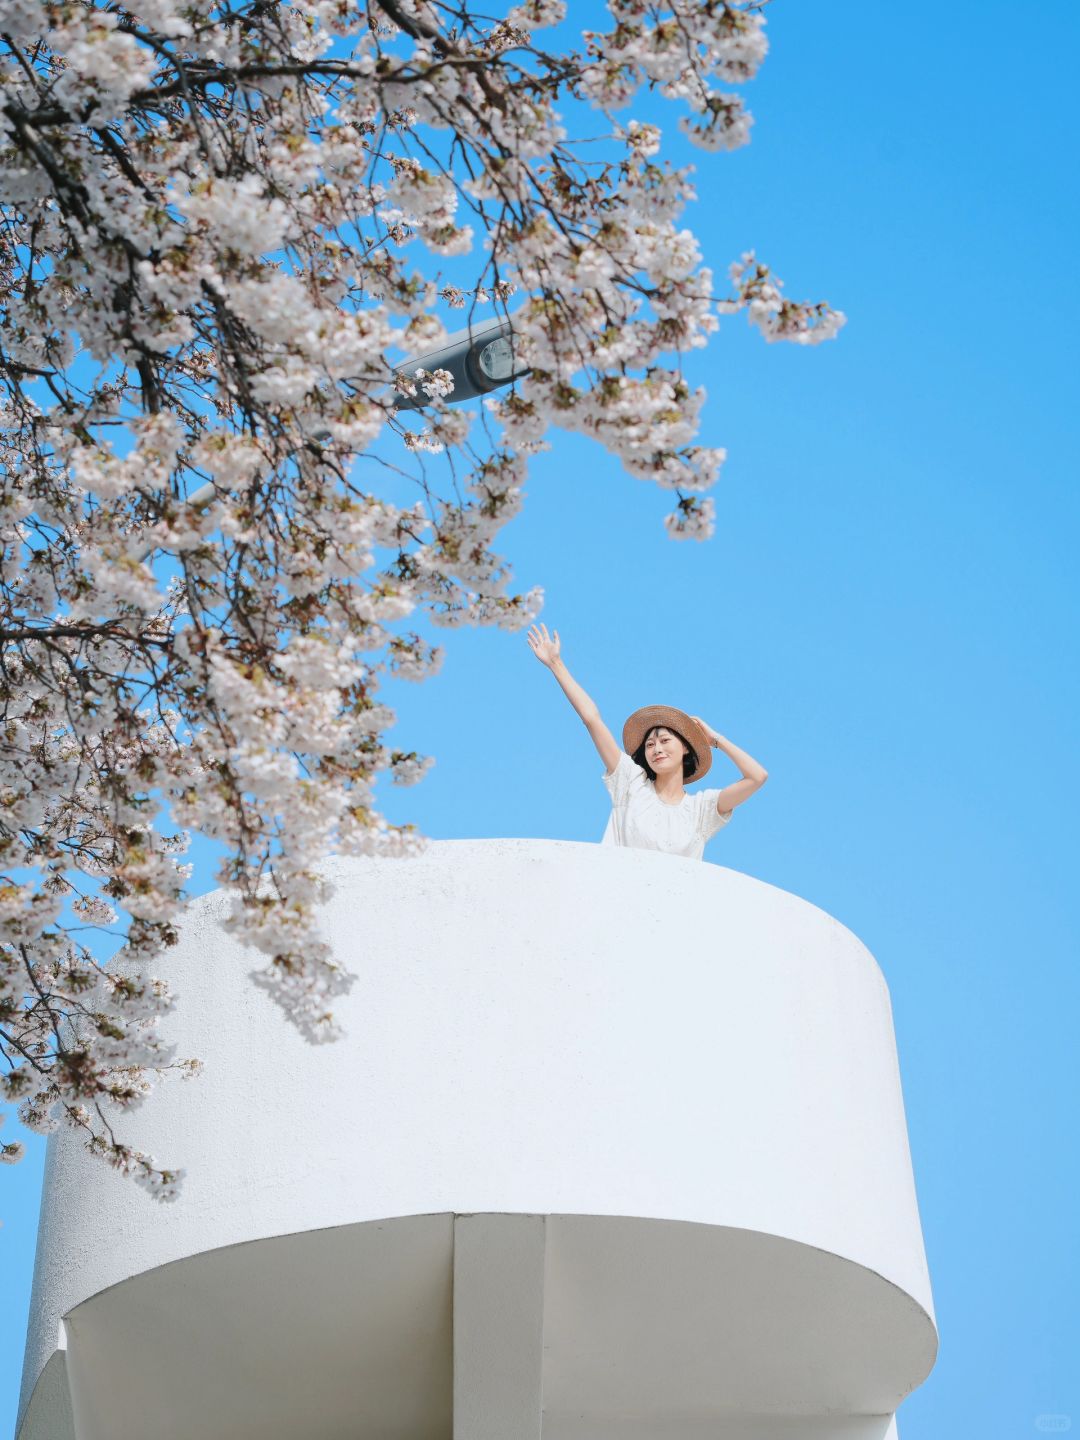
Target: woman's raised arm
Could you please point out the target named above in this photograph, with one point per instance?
(546, 651)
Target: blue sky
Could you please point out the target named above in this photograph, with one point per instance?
(886, 618)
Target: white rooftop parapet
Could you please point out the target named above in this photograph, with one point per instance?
(614, 1147)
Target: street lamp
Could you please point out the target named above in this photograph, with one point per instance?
(480, 358)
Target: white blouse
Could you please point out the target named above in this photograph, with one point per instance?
(640, 819)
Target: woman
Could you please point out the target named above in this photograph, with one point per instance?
(663, 749)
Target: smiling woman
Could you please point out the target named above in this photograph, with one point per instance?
(663, 749)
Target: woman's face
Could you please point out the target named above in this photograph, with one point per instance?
(664, 751)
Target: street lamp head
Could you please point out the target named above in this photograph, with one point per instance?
(480, 358)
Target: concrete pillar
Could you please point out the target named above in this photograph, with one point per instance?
(498, 1326)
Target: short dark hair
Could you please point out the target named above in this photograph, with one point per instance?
(689, 759)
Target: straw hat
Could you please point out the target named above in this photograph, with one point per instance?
(642, 721)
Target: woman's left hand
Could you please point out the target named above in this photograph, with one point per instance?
(713, 737)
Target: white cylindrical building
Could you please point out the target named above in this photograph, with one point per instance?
(614, 1147)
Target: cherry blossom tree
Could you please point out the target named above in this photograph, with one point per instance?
(222, 221)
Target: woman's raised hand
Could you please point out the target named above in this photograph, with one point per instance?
(546, 650)
(544, 647)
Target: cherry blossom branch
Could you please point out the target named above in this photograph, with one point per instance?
(222, 222)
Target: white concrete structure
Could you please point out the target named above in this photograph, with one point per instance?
(615, 1147)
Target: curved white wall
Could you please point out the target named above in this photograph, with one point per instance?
(539, 1028)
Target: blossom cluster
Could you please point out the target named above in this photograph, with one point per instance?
(221, 223)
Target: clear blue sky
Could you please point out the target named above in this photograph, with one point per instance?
(887, 619)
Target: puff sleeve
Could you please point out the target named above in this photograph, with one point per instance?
(626, 776)
(709, 818)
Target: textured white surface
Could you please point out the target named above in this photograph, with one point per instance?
(538, 1028)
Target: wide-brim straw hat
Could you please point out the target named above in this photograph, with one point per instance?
(642, 721)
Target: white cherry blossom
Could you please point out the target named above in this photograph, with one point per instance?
(227, 227)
